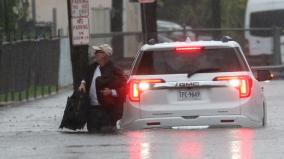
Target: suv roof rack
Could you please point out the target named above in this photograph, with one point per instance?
(152, 41)
(226, 39)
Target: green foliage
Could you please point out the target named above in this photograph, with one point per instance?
(16, 12)
(234, 13)
(198, 13)
(171, 10)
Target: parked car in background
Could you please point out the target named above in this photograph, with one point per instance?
(177, 31)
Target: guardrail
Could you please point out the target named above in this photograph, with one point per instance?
(276, 70)
(272, 67)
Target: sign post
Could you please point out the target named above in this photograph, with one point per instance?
(79, 37)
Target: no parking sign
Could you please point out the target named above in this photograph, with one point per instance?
(80, 22)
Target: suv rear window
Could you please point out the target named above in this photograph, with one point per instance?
(170, 62)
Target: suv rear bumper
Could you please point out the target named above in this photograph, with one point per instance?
(227, 120)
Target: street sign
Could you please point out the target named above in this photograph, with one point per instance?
(146, 1)
(80, 22)
(80, 8)
(81, 31)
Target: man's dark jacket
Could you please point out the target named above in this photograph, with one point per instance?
(113, 78)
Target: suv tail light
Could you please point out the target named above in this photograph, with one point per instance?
(242, 83)
(136, 87)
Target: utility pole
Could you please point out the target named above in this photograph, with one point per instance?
(149, 21)
(277, 46)
(79, 54)
(54, 22)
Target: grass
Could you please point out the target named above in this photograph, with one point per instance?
(32, 92)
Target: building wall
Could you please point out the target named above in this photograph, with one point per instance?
(131, 23)
(100, 16)
(100, 3)
(100, 20)
(44, 13)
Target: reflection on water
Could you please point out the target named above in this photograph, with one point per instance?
(242, 148)
(138, 147)
(188, 150)
(234, 144)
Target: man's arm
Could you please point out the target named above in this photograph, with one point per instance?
(120, 83)
(109, 92)
(85, 81)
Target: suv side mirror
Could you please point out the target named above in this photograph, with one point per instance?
(263, 75)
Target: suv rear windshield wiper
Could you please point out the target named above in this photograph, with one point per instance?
(203, 70)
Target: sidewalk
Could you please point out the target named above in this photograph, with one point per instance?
(39, 115)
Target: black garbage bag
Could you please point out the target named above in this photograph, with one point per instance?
(75, 114)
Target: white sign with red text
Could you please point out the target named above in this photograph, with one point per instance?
(80, 22)
(80, 8)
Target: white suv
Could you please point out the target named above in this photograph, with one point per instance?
(202, 83)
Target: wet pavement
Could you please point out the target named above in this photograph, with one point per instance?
(30, 131)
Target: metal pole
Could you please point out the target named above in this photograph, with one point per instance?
(54, 22)
(144, 26)
(277, 45)
(184, 31)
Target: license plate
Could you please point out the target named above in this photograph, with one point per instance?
(189, 95)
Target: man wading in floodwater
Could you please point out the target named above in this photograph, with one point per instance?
(104, 83)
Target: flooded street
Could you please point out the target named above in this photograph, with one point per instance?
(30, 131)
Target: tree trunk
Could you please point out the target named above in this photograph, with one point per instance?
(216, 18)
(149, 21)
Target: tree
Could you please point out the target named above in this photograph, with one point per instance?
(234, 13)
(14, 15)
(234, 18)
(198, 13)
(149, 21)
(206, 14)
(195, 13)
